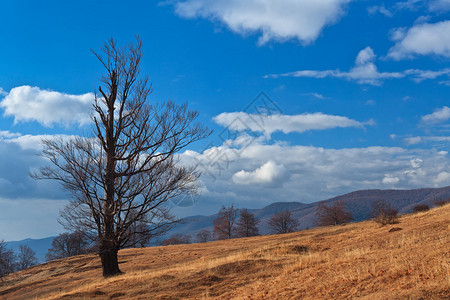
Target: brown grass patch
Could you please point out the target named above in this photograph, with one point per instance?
(358, 260)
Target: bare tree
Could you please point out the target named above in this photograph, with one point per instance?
(224, 224)
(335, 214)
(26, 257)
(7, 260)
(283, 222)
(177, 239)
(128, 169)
(203, 236)
(384, 213)
(68, 244)
(247, 224)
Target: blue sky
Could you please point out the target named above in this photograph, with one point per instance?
(307, 99)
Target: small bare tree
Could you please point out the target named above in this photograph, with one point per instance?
(128, 169)
(203, 236)
(224, 224)
(26, 257)
(383, 213)
(335, 214)
(177, 239)
(247, 224)
(68, 244)
(283, 222)
(7, 260)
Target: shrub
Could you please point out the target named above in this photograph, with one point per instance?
(420, 207)
(384, 213)
(388, 217)
(441, 202)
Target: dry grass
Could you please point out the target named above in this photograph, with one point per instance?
(360, 261)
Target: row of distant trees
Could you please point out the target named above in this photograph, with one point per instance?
(234, 223)
(11, 262)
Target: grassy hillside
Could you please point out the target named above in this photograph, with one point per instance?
(359, 203)
(360, 260)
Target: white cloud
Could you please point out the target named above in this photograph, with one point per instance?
(366, 72)
(421, 75)
(379, 9)
(439, 5)
(413, 140)
(279, 20)
(266, 174)
(408, 5)
(26, 103)
(268, 124)
(317, 95)
(439, 116)
(390, 180)
(247, 174)
(434, 6)
(421, 39)
(3, 92)
(426, 139)
(7, 134)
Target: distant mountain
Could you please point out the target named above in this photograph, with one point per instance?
(359, 203)
(40, 246)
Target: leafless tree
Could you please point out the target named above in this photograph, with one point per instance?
(177, 239)
(26, 257)
(383, 213)
(247, 224)
(7, 260)
(203, 236)
(68, 244)
(128, 169)
(224, 224)
(283, 222)
(335, 214)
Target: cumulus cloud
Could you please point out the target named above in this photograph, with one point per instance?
(268, 124)
(421, 39)
(260, 172)
(439, 116)
(268, 173)
(366, 72)
(26, 103)
(279, 20)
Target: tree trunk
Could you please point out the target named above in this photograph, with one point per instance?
(110, 264)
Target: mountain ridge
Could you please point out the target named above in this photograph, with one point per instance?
(358, 202)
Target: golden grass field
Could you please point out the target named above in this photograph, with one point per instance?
(358, 261)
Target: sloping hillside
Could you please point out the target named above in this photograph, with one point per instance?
(408, 260)
(359, 203)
